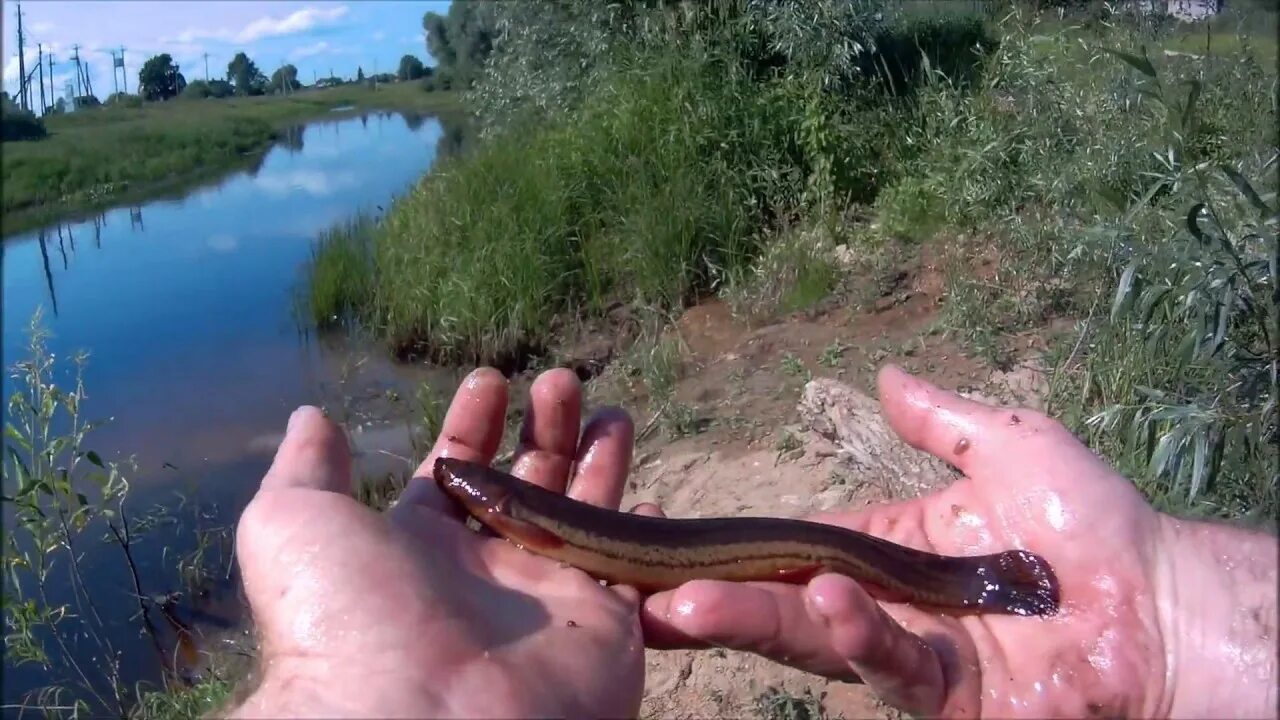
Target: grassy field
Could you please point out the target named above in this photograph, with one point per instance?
(114, 153)
(687, 166)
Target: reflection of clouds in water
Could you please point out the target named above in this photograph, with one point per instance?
(223, 243)
(313, 182)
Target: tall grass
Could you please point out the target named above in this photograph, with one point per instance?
(1067, 156)
(649, 194)
(337, 278)
(655, 189)
(1135, 192)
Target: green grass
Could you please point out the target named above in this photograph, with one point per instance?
(337, 278)
(642, 197)
(657, 190)
(691, 171)
(96, 157)
(1077, 172)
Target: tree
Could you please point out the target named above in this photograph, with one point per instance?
(460, 41)
(159, 78)
(246, 76)
(359, 74)
(410, 68)
(18, 124)
(285, 79)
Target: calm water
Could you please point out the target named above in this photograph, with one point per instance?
(185, 308)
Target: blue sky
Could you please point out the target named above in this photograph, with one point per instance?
(314, 36)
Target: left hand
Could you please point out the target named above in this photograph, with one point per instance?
(409, 612)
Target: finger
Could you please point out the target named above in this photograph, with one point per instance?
(937, 421)
(549, 432)
(649, 509)
(472, 430)
(603, 459)
(768, 619)
(903, 670)
(314, 455)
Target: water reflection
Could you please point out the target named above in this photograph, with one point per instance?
(194, 349)
(291, 138)
(48, 273)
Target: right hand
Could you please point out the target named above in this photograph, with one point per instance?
(1151, 622)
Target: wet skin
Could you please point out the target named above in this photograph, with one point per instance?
(1152, 622)
(1159, 617)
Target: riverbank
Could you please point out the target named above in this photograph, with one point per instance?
(111, 154)
(1020, 157)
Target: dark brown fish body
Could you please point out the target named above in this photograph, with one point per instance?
(654, 554)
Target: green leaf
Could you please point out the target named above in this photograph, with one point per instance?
(1139, 63)
(1187, 110)
(1224, 317)
(1123, 290)
(1150, 300)
(93, 458)
(1200, 462)
(1165, 448)
(14, 436)
(1245, 189)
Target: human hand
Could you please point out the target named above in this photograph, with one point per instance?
(1158, 616)
(409, 612)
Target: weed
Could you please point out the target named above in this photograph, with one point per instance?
(777, 704)
(793, 366)
(832, 354)
(61, 493)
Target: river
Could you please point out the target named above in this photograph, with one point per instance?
(185, 306)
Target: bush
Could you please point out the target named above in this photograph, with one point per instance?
(18, 124)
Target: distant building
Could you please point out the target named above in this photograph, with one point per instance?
(1187, 10)
(1192, 10)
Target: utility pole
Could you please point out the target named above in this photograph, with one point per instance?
(40, 52)
(75, 55)
(124, 73)
(53, 97)
(206, 67)
(22, 65)
(115, 78)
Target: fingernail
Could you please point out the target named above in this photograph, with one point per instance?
(297, 415)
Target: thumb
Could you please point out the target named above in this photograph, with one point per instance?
(899, 666)
(959, 431)
(313, 455)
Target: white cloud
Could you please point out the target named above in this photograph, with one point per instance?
(41, 27)
(11, 65)
(223, 243)
(307, 51)
(312, 182)
(296, 22)
(379, 36)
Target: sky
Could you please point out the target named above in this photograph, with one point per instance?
(315, 36)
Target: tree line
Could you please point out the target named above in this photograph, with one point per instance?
(160, 79)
